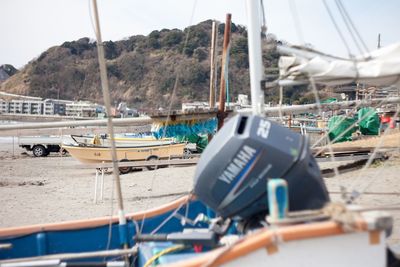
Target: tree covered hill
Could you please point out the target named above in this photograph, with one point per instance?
(142, 70)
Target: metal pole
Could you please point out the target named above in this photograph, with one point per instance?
(57, 124)
(255, 55)
(221, 108)
(74, 256)
(379, 41)
(107, 102)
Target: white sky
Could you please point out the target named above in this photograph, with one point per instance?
(29, 27)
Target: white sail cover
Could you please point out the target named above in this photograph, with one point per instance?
(378, 68)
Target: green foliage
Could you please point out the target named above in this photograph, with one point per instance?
(194, 74)
(132, 67)
(153, 40)
(111, 51)
(240, 46)
(78, 47)
(239, 53)
(200, 54)
(171, 38)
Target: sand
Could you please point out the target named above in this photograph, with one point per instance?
(54, 188)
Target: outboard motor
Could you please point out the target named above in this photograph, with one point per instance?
(231, 176)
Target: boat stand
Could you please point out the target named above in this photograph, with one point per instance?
(96, 184)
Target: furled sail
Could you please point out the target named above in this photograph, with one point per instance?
(378, 68)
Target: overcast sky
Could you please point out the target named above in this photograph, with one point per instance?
(29, 27)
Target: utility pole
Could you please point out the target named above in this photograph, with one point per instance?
(212, 64)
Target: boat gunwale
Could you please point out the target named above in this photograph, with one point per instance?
(92, 223)
(120, 147)
(266, 238)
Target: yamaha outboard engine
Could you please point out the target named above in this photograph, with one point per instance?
(232, 173)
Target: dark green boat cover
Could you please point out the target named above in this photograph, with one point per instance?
(369, 123)
(340, 128)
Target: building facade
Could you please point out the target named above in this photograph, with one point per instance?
(33, 107)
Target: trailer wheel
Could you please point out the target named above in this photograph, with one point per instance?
(63, 151)
(124, 170)
(39, 151)
(187, 153)
(152, 158)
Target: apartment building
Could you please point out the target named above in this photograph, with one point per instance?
(33, 107)
(81, 109)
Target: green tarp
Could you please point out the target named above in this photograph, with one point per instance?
(329, 100)
(369, 121)
(341, 128)
(201, 141)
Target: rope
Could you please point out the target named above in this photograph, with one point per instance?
(347, 23)
(177, 74)
(358, 194)
(340, 214)
(172, 215)
(163, 252)
(296, 21)
(317, 99)
(107, 101)
(173, 96)
(337, 28)
(352, 25)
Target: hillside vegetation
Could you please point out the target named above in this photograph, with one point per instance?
(142, 70)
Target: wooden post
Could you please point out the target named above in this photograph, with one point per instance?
(221, 108)
(212, 64)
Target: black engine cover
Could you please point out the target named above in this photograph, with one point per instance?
(232, 173)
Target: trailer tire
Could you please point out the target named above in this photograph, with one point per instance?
(125, 170)
(152, 158)
(39, 151)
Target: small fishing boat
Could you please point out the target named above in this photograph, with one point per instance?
(121, 140)
(98, 154)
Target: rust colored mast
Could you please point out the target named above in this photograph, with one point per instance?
(222, 95)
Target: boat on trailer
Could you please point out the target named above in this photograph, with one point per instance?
(98, 154)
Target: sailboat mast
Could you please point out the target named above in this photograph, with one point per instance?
(106, 96)
(255, 55)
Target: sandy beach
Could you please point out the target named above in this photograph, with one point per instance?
(58, 188)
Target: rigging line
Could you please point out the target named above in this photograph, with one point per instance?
(177, 78)
(353, 26)
(172, 215)
(177, 74)
(346, 22)
(107, 102)
(296, 21)
(337, 29)
(317, 99)
(111, 216)
(326, 135)
(370, 160)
